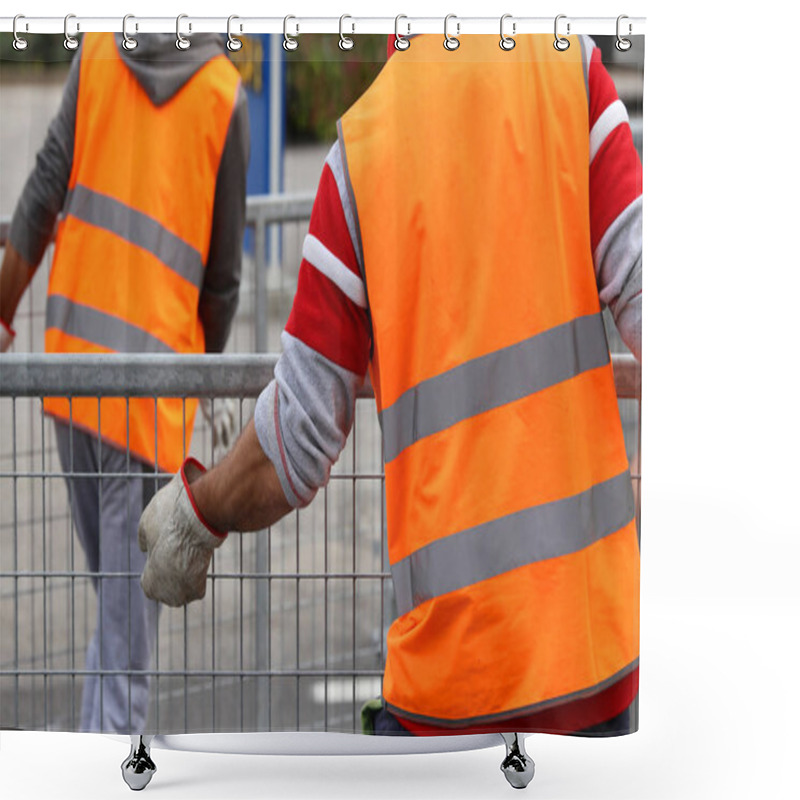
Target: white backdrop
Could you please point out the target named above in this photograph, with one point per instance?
(721, 537)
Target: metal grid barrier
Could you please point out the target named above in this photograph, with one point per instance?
(237, 661)
(291, 635)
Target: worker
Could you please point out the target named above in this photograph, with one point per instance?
(145, 162)
(478, 211)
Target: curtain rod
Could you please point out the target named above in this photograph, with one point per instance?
(298, 25)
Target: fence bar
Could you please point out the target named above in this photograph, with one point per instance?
(271, 208)
(166, 375)
(198, 673)
(134, 375)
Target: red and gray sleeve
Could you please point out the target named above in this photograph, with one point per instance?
(615, 188)
(305, 414)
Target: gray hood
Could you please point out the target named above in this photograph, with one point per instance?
(162, 69)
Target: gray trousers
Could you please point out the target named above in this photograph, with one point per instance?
(106, 513)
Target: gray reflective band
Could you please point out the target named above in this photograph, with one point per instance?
(525, 537)
(515, 713)
(353, 224)
(138, 229)
(100, 328)
(586, 56)
(493, 380)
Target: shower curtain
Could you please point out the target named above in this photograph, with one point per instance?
(444, 245)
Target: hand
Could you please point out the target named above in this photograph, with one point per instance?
(224, 421)
(179, 543)
(6, 336)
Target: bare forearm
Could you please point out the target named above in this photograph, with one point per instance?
(15, 275)
(242, 492)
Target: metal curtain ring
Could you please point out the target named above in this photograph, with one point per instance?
(622, 44)
(128, 42)
(182, 43)
(289, 43)
(400, 43)
(233, 43)
(19, 42)
(506, 42)
(345, 42)
(70, 42)
(451, 42)
(561, 44)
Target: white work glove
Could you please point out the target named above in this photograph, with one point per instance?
(6, 336)
(223, 429)
(179, 543)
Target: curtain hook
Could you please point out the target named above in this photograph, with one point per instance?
(19, 42)
(622, 44)
(182, 43)
(451, 42)
(233, 43)
(561, 44)
(400, 42)
(345, 42)
(128, 42)
(289, 42)
(70, 42)
(506, 42)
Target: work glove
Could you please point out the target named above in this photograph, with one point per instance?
(6, 336)
(223, 426)
(179, 543)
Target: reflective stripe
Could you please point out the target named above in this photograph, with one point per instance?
(518, 712)
(138, 229)
(332, 267)
(534, 534)
(358, 241)
(493, 380)
(336, 162)
(100, 328)
(613, 116)
(587, 47)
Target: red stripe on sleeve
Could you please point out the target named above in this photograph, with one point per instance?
(326, 320)
(615, 175)
(322, 316)
(328, 223)
(615, 180)
(602, 91)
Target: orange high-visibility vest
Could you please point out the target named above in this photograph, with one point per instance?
(131, 250)
(511, 531)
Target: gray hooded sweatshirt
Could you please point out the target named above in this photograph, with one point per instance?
(162, 71)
